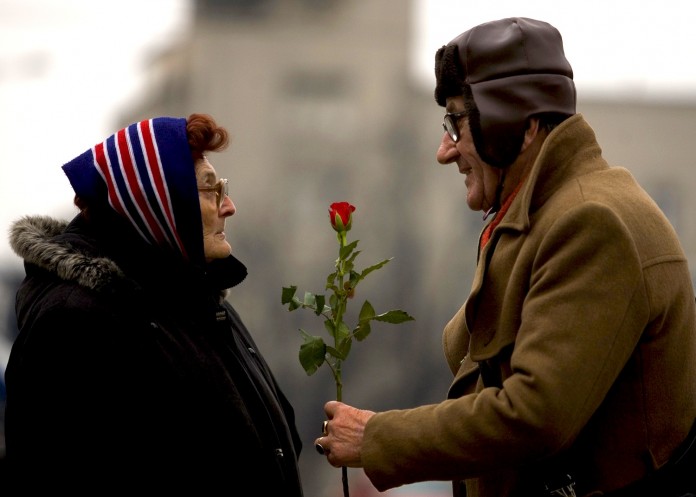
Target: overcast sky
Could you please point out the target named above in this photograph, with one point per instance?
(66, 66)
(643, 48)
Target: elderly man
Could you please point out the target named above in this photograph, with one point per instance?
(574, 356)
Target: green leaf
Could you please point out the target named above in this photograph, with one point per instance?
(288, 294)
(352, 257)
(320, 304)
(312, 352)
(366, 311)
(342, 332)
(367, 314)
(335, 353)
(362, 331)
(345, 251)
(347, 266)
(395, 316)
(344, 347)
(374, 267)
(329, 325)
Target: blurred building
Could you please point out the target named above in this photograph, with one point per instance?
(318, 98)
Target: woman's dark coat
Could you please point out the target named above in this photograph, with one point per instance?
(131, 371)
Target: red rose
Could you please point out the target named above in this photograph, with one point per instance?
(341, 215)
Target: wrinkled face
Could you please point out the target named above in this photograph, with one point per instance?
(481, 179)
(213, 214)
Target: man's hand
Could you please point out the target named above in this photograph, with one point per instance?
(342, 439)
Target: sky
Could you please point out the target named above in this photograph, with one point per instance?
(66, 66)
(617, 47)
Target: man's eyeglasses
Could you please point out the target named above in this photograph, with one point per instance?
(449, 123)
(220, 189)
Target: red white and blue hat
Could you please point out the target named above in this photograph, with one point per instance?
(146, 172)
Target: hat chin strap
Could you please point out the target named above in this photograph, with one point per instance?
(498, 194)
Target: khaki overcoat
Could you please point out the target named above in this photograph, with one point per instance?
(574, 354)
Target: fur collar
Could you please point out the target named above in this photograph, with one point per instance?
(51, 245)
(37, 240)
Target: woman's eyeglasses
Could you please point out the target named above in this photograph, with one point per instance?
(220, 189)
(450, 124)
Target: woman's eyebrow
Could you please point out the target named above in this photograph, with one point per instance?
(208, 177)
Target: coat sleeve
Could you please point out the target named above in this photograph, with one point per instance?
(568, 352)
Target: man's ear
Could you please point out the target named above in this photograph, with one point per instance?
(530, 134)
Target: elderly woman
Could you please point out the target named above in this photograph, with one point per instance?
(131, 368)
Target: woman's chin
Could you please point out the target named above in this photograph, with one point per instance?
(217, 250)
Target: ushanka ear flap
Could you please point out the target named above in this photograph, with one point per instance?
(449, 74)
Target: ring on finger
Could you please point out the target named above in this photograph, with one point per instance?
(324, 428)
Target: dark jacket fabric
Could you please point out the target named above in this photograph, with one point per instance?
(132, 371)
(574, 353)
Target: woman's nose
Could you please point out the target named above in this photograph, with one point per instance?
(227, 208)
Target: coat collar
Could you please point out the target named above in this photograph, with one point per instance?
(40, 242)
(571, 150)
(101, 259)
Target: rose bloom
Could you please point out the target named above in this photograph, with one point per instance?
(340, 214)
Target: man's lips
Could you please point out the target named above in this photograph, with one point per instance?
(462, 166)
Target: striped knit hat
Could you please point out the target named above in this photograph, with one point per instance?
(146, 173)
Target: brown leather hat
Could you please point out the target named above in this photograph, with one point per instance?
(514, 68)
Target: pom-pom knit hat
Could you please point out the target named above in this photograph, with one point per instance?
(146, 173)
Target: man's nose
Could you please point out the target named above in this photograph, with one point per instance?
(447, 151)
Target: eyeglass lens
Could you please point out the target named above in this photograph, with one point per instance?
(449, 123)
(451, 128)
(222, 191)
